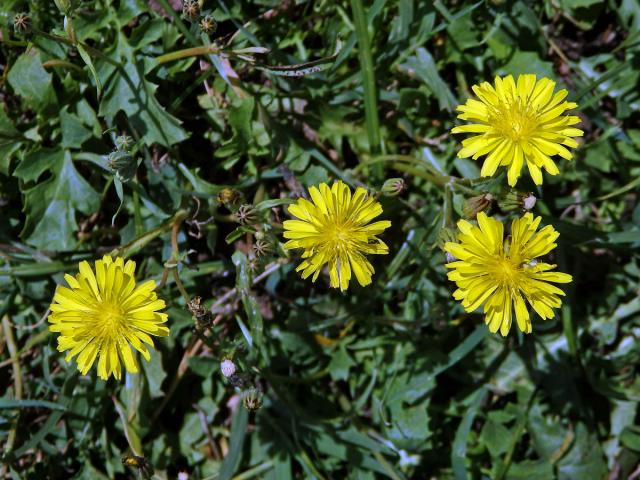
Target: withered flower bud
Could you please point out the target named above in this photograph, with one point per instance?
(478, 204)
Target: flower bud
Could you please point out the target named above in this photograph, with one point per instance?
(124, 143)
(227, 367)
(515, 200)
(122, 164)
(393, 187)
(22, 23)
(246, 215)
(118, 160)
(252, 400)
(478, 204)
(191, 9)
(208, 25)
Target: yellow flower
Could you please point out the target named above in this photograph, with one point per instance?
(518, 123)
(501, 274)
(105, 313)
(334, 230)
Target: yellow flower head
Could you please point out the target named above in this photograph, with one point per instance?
(334, 230)
(501, 274)
(105, 313)
(516, 123)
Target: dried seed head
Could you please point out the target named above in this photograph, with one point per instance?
(246, 215)
(261, 247)
(191, 9)
(22, 23)
(208, 25)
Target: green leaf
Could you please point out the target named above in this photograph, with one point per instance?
(87, 60)
(31, 81)
(459, 449)
(10, 141)
(528, 62)
(425, 68)
(585, 459)
(74, 133)
(238, 233)
(238, 432)
(240, 116)
(20, 404)
(249, 302)
(276, 202)
(155, 374)
(127, 90)
(51, 205)
(340, 364)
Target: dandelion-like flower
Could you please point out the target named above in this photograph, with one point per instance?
(104, 314)
(501, 274)
(518, 123)
(334, 230)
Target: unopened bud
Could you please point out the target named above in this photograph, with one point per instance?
(478, 204)
(191, 9)
(246, 215)
(118, 160)
(208, 25)
(393, 187)
(124, 142)
(122, 164)
(515, 200)
(228, 368)
(22, 23)
(252, 400)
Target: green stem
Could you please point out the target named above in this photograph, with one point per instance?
(137, 216)
(56, 62)
(17, 381)
(187, 52)
(137, 244)
(368, 78)
(441, 181)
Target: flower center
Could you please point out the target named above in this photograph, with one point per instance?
(109, 318)
(338, 236)
(505, 271)
(514, 119)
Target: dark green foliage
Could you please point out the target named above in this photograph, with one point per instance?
(389, 381)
